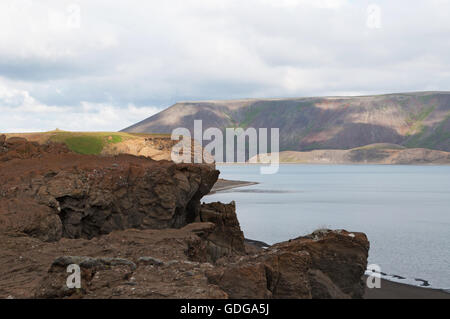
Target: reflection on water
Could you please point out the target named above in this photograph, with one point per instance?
(404, 210)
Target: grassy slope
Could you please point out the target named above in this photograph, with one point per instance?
(82, 142)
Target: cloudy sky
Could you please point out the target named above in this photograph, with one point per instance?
(88, 65)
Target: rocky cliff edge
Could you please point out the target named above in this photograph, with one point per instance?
(137, 229)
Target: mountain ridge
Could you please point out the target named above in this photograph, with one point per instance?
(413, 120)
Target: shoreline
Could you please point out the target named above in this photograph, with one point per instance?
(395, 290)
(389, 289)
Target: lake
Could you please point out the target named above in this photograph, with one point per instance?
(404, 210)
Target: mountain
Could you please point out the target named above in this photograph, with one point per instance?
(413, 120)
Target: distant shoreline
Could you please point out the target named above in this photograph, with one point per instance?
(380, 153)
(334, 164)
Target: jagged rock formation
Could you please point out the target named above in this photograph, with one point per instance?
(136, 228)
(325, 264)
(228, 238)
(86, 196)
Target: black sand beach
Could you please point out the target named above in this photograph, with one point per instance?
(394, 290)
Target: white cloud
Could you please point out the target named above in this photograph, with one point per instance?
(123, 57)
(22, 113)
(323, 4)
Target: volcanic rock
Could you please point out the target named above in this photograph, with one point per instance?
(326, 265)
(94, 195)
(227, 238)
(136, 229)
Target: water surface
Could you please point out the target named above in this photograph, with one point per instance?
(404, 210)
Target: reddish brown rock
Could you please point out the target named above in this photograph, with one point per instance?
(31, 218)
(19, 148)
(96, 195)
(339, 255)
(325, 264)
(268, 275)
(156, 264)
(117, 265)
(227, 238)
(137, 230)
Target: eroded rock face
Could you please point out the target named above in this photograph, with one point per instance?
(92, 195)
(326, 264)
(26, 216)
(124, 264)
(161, 264)
(227, 238)
(339, 255)
(158, 264)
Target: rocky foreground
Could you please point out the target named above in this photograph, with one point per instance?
(137, 229)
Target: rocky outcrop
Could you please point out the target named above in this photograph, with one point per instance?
(87, 196)
(136, 229)
(339, 255)
(123, 264)
(227, 238)
(325, 264)
(163, 264)
(156, 264)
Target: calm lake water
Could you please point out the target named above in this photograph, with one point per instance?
(404, 210)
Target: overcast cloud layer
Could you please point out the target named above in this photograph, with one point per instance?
(101, 65)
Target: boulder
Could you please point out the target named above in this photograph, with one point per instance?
(54, 284)
(325, 264)
(339, 255)
(227, 237)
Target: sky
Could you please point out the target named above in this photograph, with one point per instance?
(97, 65)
